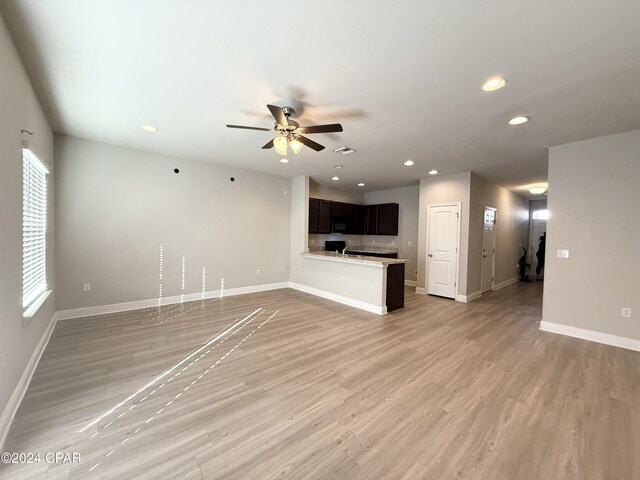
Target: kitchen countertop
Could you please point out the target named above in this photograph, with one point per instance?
(371, 249)
(348, 258)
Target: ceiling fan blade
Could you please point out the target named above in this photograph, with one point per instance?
(268, 145)
(333, 127)
(310, 143)
(279, 115)
(249, 128)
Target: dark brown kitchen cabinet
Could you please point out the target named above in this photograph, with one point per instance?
(324, 217)
(319, 216)
(314, 215)
(356, 219)
(388, 219)
(381, 219)
(339, 209)
(371, 220)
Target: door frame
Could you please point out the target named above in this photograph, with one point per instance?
(493, 247)
(426, 255)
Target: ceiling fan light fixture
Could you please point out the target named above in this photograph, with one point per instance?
(280, 145)
(295, 145)
(538, 189)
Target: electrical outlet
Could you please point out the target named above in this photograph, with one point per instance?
(393, 242)
(625, 312)
(258, 272)
(313, 242)
(409, 243)
(373, 242)
(562, 253)
(4, 362)
(86, 287)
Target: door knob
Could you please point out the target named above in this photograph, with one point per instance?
(430, 255)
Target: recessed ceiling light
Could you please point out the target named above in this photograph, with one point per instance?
(493, 84)
(538, 189)
(433, 172)
(519, 120)
(337, 166)
(149, 128)
(361, 184)
(408, 163)
(335, 178)
(284, 160)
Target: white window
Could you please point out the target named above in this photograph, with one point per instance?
(34, 227)
(541, 214)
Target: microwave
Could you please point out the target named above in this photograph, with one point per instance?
(339, 225)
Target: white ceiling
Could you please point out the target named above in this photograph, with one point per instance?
(403, 78)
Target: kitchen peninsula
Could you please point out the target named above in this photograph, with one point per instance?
(371, 283)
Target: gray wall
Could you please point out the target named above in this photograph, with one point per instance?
(593, 206)
(19, 110)
(408, 199)
(511, 231)
(317, 190)
(444, 189)
(115, 206)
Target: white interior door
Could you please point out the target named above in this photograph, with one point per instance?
(442, 250)
(488, 249)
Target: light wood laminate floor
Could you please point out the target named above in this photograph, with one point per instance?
(309, 389)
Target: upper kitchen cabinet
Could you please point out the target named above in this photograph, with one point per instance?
(371, 220)
(319, 216)
(381, 219)
(388, 219)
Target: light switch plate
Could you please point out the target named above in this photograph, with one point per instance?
(563, 253)
(625, 312)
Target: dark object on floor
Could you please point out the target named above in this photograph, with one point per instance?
(523, 267)
(540, 255)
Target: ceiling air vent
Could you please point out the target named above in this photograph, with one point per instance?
(344, 150)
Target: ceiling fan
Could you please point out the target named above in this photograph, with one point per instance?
(289, 133)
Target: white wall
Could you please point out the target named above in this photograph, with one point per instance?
(444, 189)
(19, 110)
(511, 231)
(299, 224)
(317, 190)
(115, 206)
(593, 203)
(408, 199)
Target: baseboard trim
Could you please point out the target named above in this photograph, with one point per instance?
(12, 406)
(506, 283)
(153, 302)
(421, 290)
(369, 307)
(410, 283)
(468, 298)
(591, 335)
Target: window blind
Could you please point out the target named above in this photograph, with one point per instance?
(34, 227)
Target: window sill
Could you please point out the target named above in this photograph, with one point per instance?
(34, 307)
